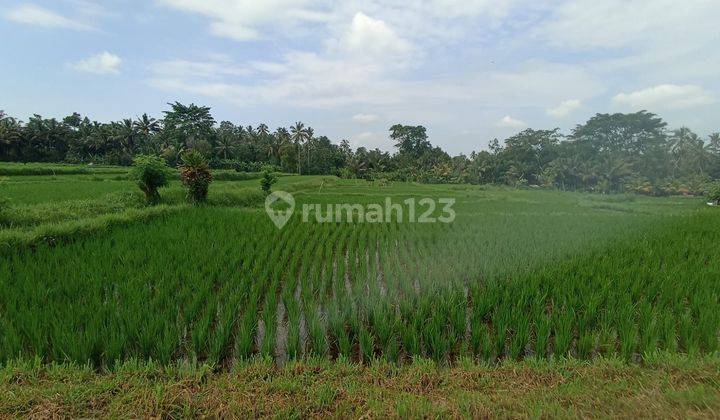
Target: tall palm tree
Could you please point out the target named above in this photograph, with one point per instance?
(147, 125)
(263, 130)
(250, 132)
(689, 152)
(300, 135)
(10, 133)
(147, 128)
(226, 144)
(298, 132)
(46, 136)
(309, 145)
(714, 144)
(125, 135)
(275, 142)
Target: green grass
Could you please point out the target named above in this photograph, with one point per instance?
(39, 169)
(667, 387)
(519, 273)
(37, 201)
(32, 190)
(531, 303)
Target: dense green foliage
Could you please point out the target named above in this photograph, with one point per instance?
(195, 175)
(151, 173)
(609, 153)
(518, 273)
(268, 180)
(714, 193)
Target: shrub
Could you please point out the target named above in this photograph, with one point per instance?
(268, 179)
(714, 192)
(195, 175)
(151, 172)
(33, 170)
(345, 173)
(240, 166)
(236, 176)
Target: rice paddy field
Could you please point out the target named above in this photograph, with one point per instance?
(544, 282)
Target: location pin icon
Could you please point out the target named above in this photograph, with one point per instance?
(279, 217)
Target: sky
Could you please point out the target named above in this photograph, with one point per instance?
(467, 70)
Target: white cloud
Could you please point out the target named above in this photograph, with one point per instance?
(212, 68)
(582, 24)
(510, 122)
(91, 9)
(665, 96)
(240, 19)
(371, 140)
(372, 39)
(31, 14)
(354, 68)
(327, 81)
(245, 20)
(366, 118)
(102, 63)
(233, 31)
(564, 109)
(430, 61)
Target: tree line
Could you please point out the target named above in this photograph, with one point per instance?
(633, 152)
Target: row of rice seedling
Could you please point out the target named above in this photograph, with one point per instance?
(146, 291)
(511, 314)
(220, 285)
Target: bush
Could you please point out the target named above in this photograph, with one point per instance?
(268, 179)
(196, 176)
(714, 192)
(345, 173)
(36, 170)
(240, 166)
(151, 172)
(235, 176)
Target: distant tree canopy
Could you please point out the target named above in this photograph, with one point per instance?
(609, 153)
(411, 141)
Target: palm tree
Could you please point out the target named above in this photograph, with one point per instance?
(689, 152)
(10, 133)
(125, 135)
(300, 135)
(250, 132)
(46, 137)
(308, 144)
(226, 144)
(714, 144)
(263, 130)
(275, 142)
(147, 125)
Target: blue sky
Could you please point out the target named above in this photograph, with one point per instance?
(469, 70)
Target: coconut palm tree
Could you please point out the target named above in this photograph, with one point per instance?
(275, 142)
(250, 132)
(147, 125)
(714, 143)
(10, 134)
(126, 135)
(689, 152)
(226, 144)
(299, 135)
(263, 130)
(147, 128)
